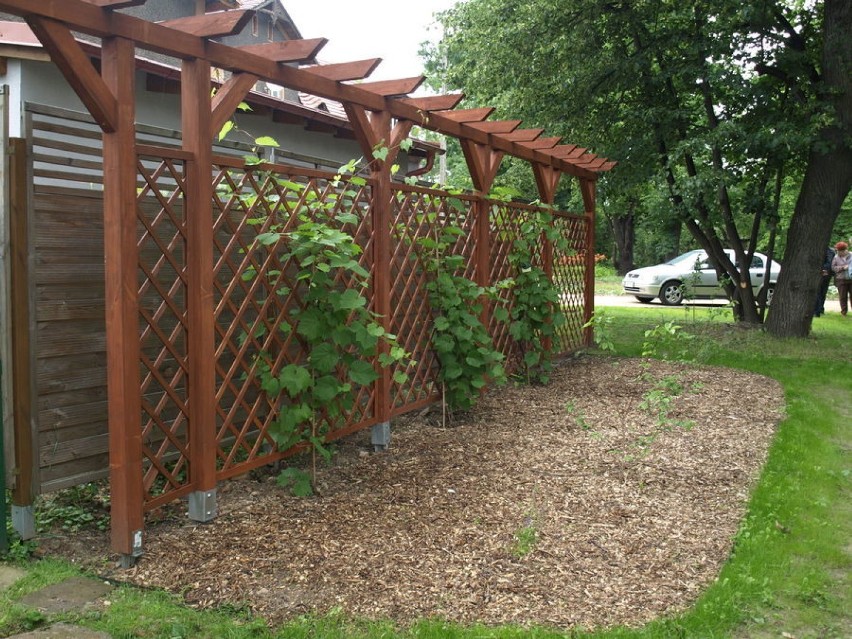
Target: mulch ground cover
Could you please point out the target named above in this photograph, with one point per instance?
(610, 496)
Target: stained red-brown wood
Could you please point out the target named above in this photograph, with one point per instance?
(23, 490)
(588, 189)
(344, 71)
(85, 17)
(592, 163)
(77, 68)
(467, 115)
(574, 154)
(546, 179)
(387, 88)
(561, 150)
(434, 102)
(196, 127)
(288, 50)
(540, 143)
(483, 163)
(376, 128)
(228, 98)
(122, 312)
(211, 25)
(496, 126)
(116, 4)
(522, 135)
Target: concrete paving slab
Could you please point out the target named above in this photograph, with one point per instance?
(62, 631)
(9, 575)
(71, 594)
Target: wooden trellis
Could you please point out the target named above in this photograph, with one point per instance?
(183, 324)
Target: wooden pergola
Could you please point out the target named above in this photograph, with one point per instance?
(380, 112)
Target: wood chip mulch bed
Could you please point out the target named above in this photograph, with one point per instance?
(610, 496)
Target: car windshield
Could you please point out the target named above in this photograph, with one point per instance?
(691, 256)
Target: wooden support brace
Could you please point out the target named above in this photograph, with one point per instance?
(546, 179)
(483, 162)
(211, 25)
(376, 128)
(228, 98)
(78, 70)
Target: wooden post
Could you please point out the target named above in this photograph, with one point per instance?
(196, 123)
(23, 492)
(588, 190)
(122, 305)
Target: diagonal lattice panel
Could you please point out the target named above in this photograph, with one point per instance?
(257, 292)
(569, 277)
(163, 343)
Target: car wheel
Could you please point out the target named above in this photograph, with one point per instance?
(643, 299)
(671, 293)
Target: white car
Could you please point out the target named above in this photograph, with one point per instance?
(691, 276)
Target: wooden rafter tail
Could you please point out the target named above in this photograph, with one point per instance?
(573, 155)
(593, 164)
(496, 126)
(583, 160)
(116, 4)
(431, 103)
(211, 25)
(542, 144)
(342, 71)
(522, 135)
(78, 70)
(467, 115)
(288, 50)
(393, 88)
(606, 166)
(562, 150)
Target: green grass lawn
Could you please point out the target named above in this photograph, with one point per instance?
(789, 572)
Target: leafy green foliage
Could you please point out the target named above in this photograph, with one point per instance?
(536, 313)
(461, 342)
(344, 340)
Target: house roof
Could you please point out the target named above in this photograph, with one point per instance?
(18, 41)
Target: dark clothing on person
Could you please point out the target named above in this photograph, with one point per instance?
(824, 282)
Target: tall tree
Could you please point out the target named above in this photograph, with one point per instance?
(687, 95)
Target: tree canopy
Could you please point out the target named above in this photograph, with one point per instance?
(711, 109)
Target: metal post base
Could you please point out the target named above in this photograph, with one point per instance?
(128, 561)
(23, 521)
(202, 505)
(380, 436)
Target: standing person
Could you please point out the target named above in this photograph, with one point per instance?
(840, 267)
(825, 280)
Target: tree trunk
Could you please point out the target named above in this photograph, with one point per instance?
(827, 181)
(624, 233)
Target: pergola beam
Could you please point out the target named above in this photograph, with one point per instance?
(496, 126)
(228, 98)
(402, 86)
